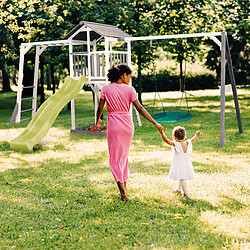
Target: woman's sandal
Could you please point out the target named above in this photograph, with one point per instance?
(124, 197)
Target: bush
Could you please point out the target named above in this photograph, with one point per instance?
(167, 82)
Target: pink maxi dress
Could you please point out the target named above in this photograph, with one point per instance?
(120, 129)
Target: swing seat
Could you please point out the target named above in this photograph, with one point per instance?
(172, 117)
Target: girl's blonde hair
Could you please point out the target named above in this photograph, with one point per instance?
(179, 133)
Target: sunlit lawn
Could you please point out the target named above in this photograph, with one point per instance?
(63, 194)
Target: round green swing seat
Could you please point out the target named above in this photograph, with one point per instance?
(172, 117)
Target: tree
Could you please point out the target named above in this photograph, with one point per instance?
(4, 40)
(7, 48)
(233, 17)
(180, 17)
(29, 21)
(132, 17)
(137, 21)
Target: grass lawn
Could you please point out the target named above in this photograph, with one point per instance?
(63, 195)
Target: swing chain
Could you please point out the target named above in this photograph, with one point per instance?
(184, 84)
(155, 83)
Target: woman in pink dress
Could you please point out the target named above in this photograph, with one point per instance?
(119, 95)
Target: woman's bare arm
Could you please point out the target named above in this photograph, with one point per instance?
(146, 115)
(99, 111)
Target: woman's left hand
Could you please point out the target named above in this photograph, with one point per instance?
(160, 128)
(98, 124)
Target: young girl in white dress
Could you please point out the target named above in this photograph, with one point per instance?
(181, 168)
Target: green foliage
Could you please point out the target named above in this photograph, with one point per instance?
(233, 17)
(169, 82)
(180, 17)
(26, 21)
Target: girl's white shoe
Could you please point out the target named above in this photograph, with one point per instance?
(175, 191)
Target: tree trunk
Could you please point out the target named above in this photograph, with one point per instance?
(48, 77)
(181, 83)
(6, 79)
(28, 80)
(14, 77)
(139, 77)
(42, 99)
(69, 106)
(53, 79)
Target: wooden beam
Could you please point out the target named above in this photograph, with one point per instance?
(171, 36)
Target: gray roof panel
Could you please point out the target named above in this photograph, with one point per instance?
(99, 30)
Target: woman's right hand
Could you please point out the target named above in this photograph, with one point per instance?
(159, 126)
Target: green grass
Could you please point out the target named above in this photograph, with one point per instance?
(63, 195)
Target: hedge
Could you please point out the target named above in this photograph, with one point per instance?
(167, 82)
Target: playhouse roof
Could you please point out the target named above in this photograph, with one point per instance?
(97, 30)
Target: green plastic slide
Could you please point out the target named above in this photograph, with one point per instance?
(46, 115)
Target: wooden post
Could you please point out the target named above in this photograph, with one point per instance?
(103, 65)
(89, 56)
(112, 60)
(39, 51)
(42, 98)
(71, 72)
(106, 56)
(20, 83)
(23, 51)
(232, 80)
(129, 64)
(34, 102)
(94, 60)
(222, 89)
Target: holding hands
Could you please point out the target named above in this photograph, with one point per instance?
(159, 126)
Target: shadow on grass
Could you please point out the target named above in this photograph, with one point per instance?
(199, 205)
(205, 112)
(213, 167)
(232, 204)
(45, 204)
(5, 146)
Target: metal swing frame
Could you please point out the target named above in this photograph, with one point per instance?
(69, 41)
(225, 55)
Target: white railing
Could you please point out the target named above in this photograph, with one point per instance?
(118, 57)
(97, 63)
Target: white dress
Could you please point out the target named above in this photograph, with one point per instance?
(181, 167)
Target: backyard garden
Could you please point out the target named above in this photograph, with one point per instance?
(62, 195)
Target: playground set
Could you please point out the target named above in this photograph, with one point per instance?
(90, 67)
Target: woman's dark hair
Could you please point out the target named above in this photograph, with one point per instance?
(115, 72)
(179, 133)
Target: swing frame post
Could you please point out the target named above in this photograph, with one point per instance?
(233, 84)
(222, 89)
(225, 54)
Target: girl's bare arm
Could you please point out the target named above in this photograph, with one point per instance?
(197, 134)
(164, 137)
